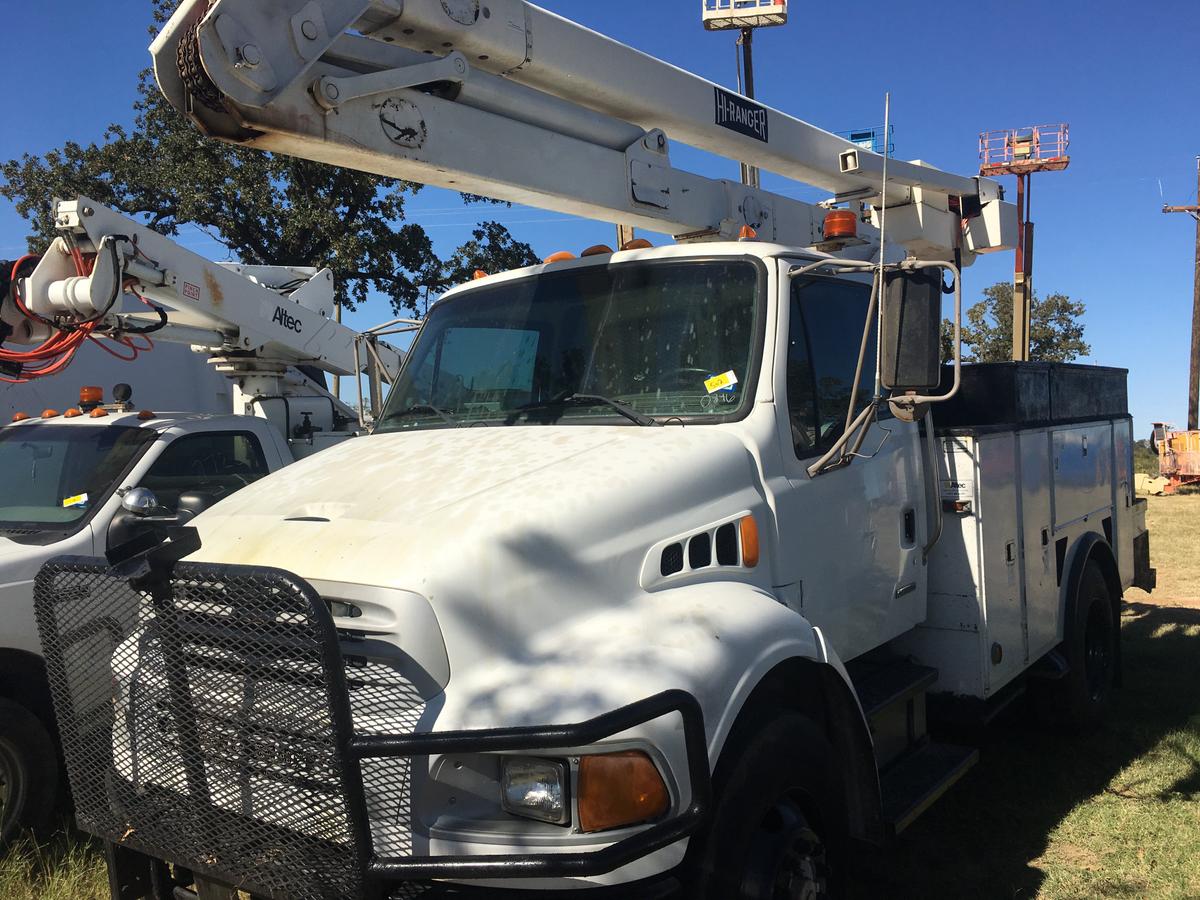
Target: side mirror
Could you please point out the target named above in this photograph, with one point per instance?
(912, 321)
(141, 513)
(192, 503)
(141, 502)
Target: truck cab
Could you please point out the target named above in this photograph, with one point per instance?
(639, 584)
(63, 477)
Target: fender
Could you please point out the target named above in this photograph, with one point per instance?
(730, 644)
(715, 640)
(1092, 546)
(23, 680)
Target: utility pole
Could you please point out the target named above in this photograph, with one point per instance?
(1193, 420)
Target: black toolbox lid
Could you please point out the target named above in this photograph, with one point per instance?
(1029, 394)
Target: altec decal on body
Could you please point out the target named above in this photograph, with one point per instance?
(286, 319)
(741, 115)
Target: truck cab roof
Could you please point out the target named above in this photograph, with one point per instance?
(760, 249)
(185, 421)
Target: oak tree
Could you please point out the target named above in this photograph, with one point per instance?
(1055, 331)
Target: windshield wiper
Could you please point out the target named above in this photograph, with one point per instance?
(424, 409)
(570, 398)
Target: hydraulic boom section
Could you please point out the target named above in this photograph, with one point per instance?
(261, 325)
(276, 313)
(508, 100)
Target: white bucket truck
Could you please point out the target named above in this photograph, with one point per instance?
(88, 477)
(644, 576)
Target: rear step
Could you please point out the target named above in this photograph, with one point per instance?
(912, 784)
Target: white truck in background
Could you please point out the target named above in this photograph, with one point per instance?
(642, 580)
(87, 476)
(171, 377)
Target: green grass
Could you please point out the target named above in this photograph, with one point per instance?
(1112, 815)
(64, 868)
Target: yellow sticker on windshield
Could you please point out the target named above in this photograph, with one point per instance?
(77, 500)
(721, 382)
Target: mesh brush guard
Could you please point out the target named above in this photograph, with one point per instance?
(204, 719)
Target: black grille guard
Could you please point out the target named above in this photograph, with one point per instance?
(206, 719)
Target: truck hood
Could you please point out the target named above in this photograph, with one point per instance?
(504, 530)
(10, 549)
(379, 510)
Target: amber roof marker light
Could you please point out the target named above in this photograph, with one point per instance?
(840, 223)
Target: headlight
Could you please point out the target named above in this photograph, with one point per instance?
(535, 789)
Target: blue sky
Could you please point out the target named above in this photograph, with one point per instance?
(1125, 76)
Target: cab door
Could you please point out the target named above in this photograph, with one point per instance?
(214, 463)
(852, 535)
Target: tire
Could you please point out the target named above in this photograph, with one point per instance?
(778, 829)
(1079, 701)
(28, 772)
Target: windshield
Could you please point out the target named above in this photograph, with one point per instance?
(52, 475)
(662, 339)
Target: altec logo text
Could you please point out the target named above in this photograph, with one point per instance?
(741, 115)
(286, 319)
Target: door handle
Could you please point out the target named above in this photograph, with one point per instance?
(910, 527)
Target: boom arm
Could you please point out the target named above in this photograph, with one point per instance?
(258, 318)
(508, 100)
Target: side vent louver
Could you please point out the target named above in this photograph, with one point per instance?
(721, 545)
(727, 545)
(672, 559)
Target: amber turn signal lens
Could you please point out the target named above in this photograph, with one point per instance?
(20, 417)
(72, 413)
(479, 273)
(617, 789)
(560, 256)
(597, 250)
(98, 413)
(91, 394)
(748, 529)
(637, 244)
(146, 415)
(746, 233)
(49, 413)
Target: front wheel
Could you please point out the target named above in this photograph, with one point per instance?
(779, 826)
(28, 772)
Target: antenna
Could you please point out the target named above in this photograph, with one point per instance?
(887, 153)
